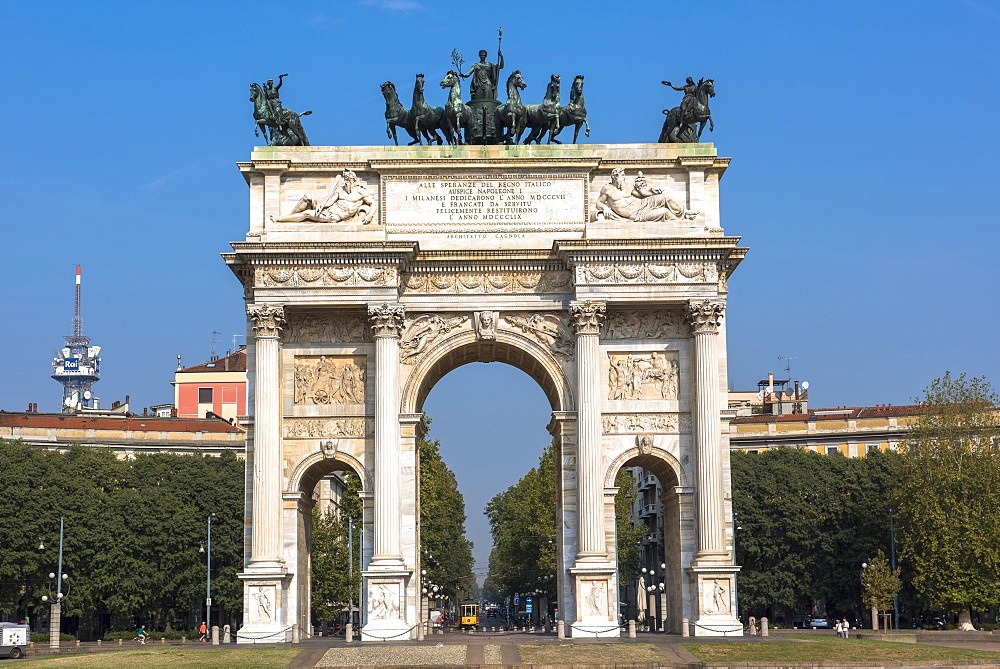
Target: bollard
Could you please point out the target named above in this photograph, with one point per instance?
(631, 629)
(77, 643)
(225, 634)
(349, 633)
(163, 641)
(295, 633)
(215, 635)
(685, 632)
(763, 626)
(99, 642)
(561, 629)
(184, 640)
(121, 641)
(753, 626)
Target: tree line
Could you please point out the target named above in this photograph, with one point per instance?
(134, 541)
(809, 522)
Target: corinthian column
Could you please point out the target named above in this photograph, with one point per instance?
(588, 317)
(704, 318)
(266, 536)
(387, 324)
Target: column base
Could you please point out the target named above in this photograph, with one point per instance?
(265, 604)
(596, 602)
(385, 618)
(714, 625)
(714, 601)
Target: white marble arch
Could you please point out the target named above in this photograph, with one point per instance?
(297, 505)
(549, 276)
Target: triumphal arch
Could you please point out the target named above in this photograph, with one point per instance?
(600, 270)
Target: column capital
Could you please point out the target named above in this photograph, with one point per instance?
(268, 319)
(587, 317)
(704, 316)
(386, 319)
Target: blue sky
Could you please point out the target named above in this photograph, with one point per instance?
(863, 136)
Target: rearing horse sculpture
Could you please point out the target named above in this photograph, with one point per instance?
(575, 113)
(457, 116)
(679, 127)
(426, 119)
(396, 115)
(512, 118)
(284, 131)
(544, 117)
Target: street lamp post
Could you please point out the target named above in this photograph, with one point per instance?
(55, 615)
(208, 581)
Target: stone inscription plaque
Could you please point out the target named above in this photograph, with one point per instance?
(484, 203)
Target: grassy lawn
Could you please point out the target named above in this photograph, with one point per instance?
(810, 649)
(586, 653)
(172, 657)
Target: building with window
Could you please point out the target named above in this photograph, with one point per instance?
(851, 431)
(218, 386)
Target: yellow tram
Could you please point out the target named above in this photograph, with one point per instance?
(469, 614)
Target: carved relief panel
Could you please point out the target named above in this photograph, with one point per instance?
(328, 379)
(638, 324)
(423, 330)
(310, 328)
(643, 376)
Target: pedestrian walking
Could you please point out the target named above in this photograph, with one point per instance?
(204, 631)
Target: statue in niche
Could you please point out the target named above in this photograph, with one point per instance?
(693, 110)
(347, 201)
(641, 203)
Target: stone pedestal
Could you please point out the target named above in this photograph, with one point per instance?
(265, 607)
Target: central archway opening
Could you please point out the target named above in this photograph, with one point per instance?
(490, 421)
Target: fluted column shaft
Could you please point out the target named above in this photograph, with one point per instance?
(704, 318)
(266, 536)
(387, 324)
(588, 317)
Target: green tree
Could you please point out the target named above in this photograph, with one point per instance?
(523, 524)
(334, 584)
(808, 523)
(628, 532)
(949, 497)
(879, 584)
(445, 551)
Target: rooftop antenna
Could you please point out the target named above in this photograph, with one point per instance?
(788, 364)
(235, 335)
(215, 338)
(77, 321)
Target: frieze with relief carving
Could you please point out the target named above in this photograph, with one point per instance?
(632, 423)
(311, 328)
(423, 330)
(647, 273)
(322, 428)
(549, 329)
(327, 379)
(643, 376)
(638, 324)
(325, 276)
(488, 282)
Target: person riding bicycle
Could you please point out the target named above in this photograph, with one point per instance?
(142, 636)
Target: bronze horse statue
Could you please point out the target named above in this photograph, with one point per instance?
(512, 118)
(544, 117)
(397, 116)
(426, 119)
(573, 114)
(284, 131)
(679, 125)
(457, 116)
